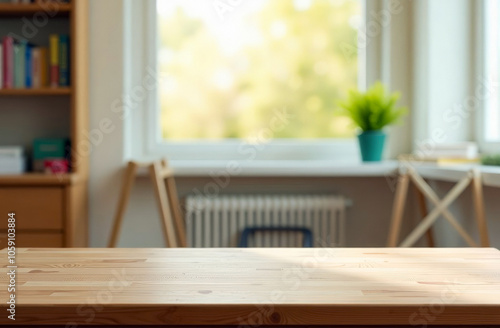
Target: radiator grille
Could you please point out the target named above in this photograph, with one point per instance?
(219, 221)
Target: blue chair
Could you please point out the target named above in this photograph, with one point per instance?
(247, 232)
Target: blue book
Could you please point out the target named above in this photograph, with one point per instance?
(28, 69)
(64, 61)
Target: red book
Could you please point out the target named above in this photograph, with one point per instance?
(54, 76)
(8, 62)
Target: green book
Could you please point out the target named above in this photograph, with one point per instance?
(48, 148)
(20, 64)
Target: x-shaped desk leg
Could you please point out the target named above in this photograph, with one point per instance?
(441, 208)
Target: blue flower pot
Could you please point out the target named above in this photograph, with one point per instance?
(371, 144)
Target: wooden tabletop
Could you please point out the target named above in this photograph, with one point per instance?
(315, 286)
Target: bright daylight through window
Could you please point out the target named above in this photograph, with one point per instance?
(228, 67)
(492, 69)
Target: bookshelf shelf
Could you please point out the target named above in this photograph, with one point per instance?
(8, 9)
(36, 92)
(34, 179)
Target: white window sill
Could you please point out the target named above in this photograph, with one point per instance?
(269, 168)
(285, 168)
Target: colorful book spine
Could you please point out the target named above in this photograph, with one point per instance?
(23, 65)
(44, 67)
(27, 64)
(36, 69)
(1, 65)
(64, 60)
(54, 60)
(20, 64)
(8, 62)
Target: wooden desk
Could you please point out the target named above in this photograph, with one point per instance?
(239, 287)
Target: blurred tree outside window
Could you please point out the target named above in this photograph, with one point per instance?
(227, 67)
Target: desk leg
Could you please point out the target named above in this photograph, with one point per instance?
(176, 211)
(123, 202)
(424, 211)
(398, 209)
(163, 205)
(477, 194)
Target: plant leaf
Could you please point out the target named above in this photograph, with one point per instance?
(373, 110)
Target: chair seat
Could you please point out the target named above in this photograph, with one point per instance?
(247, 232)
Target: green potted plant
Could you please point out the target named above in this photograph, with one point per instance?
(371, 111)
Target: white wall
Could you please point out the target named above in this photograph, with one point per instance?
(106, 85)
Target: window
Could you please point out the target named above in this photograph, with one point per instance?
(253, 71)
(491, 126)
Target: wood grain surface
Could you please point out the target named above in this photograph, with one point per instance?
(322, 286)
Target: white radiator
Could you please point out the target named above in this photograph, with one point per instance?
(219, 221)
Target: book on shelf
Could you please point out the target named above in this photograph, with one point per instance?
(51, 155)
(25, 65)
(8, 62)
(63, 60)
(1, 65)
(20, 49)
(39, 67)
(36, 68)
(54, 60)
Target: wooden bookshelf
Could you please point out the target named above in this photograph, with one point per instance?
(36, 92)
(9, 9)
(38, 198)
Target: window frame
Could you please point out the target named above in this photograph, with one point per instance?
(485, 146)
(234, 149)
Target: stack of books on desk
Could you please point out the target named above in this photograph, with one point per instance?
(11, 160)
(446, 154)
